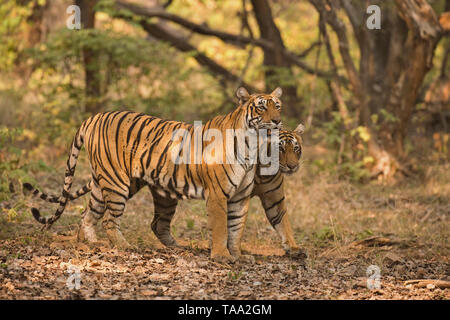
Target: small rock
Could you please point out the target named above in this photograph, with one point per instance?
(431, 286)
(157, 260)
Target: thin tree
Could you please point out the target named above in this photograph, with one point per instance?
(90, 59)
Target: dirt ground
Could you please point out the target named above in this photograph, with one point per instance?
(42, 270)
(351, 234)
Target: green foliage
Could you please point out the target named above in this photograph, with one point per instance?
(325, 234)
(13, 170)
(388, 117)
(190, 223)
(13, 16)
(364, 234)
(129, 67)
(333, 130)
(350, 160)
(354, 171)
(235, 275)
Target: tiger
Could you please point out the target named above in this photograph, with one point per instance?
(127, 150)
(269, 188)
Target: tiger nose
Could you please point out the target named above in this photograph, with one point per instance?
(292, 166)
(276, 121)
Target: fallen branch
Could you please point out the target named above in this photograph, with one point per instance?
(423, 283)
(375, 242)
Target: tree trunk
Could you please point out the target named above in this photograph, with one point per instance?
(274, 59)
(33, 35)
(416, 59)
(393, 63)
(34, 31)
(90, 59)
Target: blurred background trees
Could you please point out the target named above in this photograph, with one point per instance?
(377, 100)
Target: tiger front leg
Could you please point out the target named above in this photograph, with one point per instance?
(274, 205)
(237, 216)
(291, 248)
(217, 221)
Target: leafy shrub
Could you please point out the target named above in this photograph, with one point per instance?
(13, 170)
(350, 159)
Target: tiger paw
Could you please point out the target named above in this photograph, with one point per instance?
(223, 257)
(87, 234)
(173, 244)
(120, 243)
(168, 241)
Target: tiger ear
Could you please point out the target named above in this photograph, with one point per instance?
(242, 94)
(277, 92)
(300, 129)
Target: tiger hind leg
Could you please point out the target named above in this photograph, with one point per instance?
(164, 211)
(93, 213)
(115, 205)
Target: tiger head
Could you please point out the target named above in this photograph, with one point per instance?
(263, 109)
(290, 145)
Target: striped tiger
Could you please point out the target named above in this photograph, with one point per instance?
(128, 150)
(269, 188)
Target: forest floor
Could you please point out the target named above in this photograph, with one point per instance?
(400, 230)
